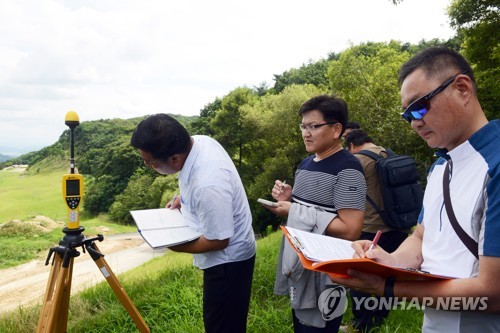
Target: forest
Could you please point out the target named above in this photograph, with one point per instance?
(258, 126)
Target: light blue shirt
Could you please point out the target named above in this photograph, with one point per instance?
(214, 202)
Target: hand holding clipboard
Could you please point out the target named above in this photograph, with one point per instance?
(337, 262)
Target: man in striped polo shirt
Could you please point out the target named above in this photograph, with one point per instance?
(328, 197)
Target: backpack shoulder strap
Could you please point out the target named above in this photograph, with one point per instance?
(468, 241)
(389, 152)
(376, 157)
(370, 154)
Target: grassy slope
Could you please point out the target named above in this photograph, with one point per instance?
(23, 195)
(29, 194)
(168, 293)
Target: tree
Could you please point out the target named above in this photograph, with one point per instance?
(145, 190)
(276, 148)
(366, 77)
(230, 126)
(202, 124)
(312, 73)
(478, 25)
(116, 167)
(262, 89)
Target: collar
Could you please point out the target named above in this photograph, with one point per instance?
(190, 161)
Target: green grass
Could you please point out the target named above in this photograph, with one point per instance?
(23, 195)
(22, 242)
(168, 294)
(26, 196)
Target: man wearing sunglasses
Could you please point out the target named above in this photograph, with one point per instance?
(438, 92)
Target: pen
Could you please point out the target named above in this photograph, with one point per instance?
(283, 185)
(173, 199)
(375, 240)
(297, 242)
(416, 270)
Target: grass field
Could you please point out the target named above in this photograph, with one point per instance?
(30, 203)
(23, 195)
(168, 293)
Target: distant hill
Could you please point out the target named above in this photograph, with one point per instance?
(93, 140)
(15, 151)
(102, 153)
(4, 158)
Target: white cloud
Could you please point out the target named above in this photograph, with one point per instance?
(107, 59)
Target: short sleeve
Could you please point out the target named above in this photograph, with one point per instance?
(350, 190)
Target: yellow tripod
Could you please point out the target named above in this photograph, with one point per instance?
(54, 313)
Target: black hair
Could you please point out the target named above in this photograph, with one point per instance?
(357, 137)
(161, 136)
(435, 62)
(332, 108)
(352, 125)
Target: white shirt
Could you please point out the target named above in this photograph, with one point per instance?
(475, 179)
(213, 202)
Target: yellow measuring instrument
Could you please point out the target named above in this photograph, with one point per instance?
(54, 312)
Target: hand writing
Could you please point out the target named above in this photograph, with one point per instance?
(281, 191)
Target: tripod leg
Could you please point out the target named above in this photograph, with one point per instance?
(63, 305)
(56, 298)
(118, 289)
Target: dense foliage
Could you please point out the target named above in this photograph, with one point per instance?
(478, 27)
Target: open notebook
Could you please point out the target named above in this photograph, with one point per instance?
(335, 256)
(163, 227)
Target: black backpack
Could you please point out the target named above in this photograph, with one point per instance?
(401, 192)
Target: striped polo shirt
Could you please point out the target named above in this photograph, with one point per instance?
(333, 183)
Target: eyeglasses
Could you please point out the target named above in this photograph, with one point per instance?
(149, 163)
(313, 127)
(421, 106)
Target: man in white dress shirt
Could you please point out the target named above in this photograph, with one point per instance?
(214, 203)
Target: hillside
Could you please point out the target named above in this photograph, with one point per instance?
(4, 158)
(89, 135)
(104, 156)
(167, 292)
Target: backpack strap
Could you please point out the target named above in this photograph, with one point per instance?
(370, 154)
(389, 152)
(376, 157)
(468, 241)
(374, 205)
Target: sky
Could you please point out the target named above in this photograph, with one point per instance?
(130, 58)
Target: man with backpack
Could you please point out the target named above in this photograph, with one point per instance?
(362, 146)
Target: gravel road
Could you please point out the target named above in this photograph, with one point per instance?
(26, 284)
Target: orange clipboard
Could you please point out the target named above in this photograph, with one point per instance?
(339, 267)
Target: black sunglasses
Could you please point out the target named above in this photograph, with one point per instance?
(422, 105)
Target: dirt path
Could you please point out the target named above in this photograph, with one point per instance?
(26, 284)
